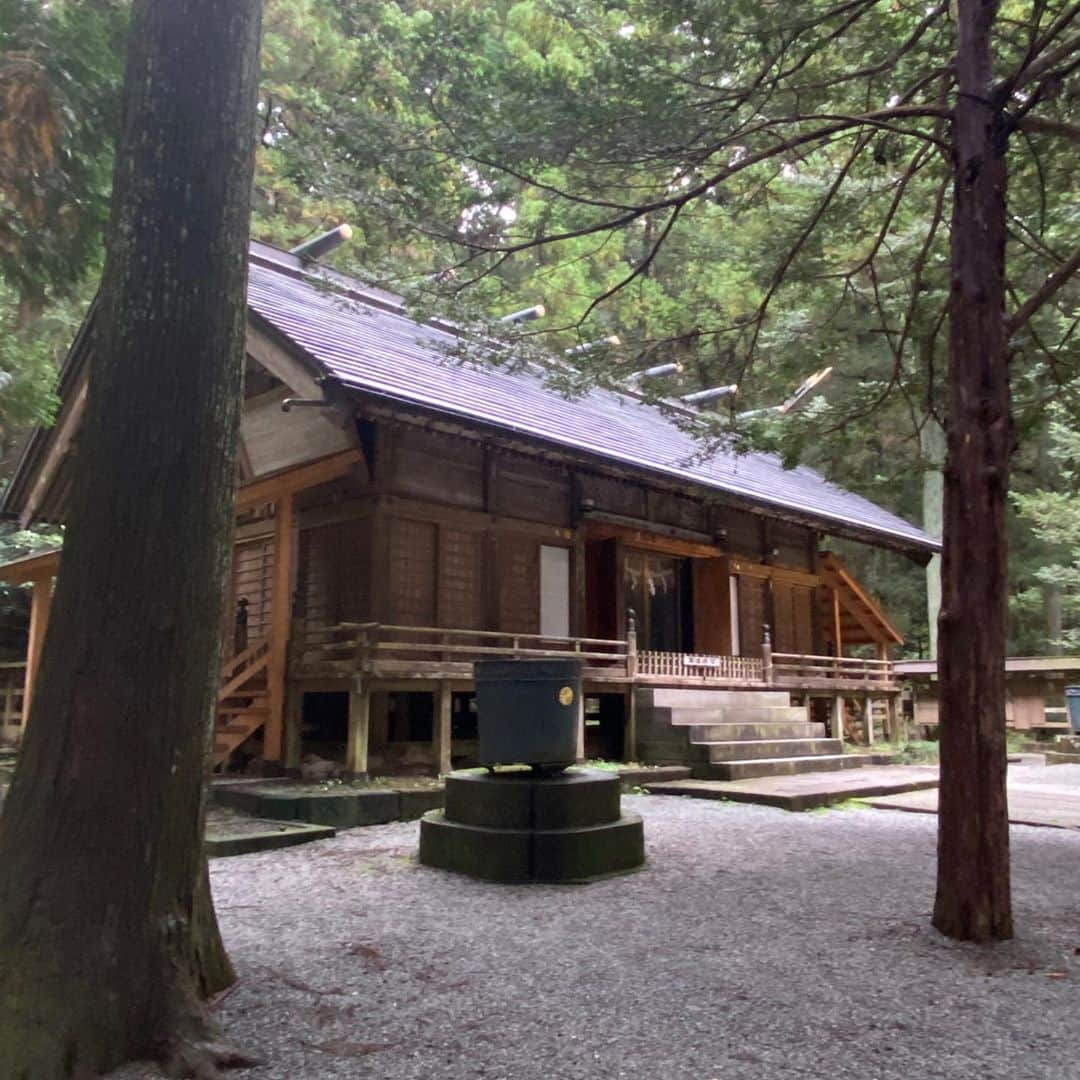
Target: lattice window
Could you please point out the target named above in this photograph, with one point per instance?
(412, 572)
(519, 585)
(461, 578)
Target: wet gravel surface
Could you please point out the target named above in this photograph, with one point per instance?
(756, 943)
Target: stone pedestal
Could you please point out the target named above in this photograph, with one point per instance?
(519, 826)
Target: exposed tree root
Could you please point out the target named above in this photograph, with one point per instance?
(205, 1060)
(196, 1049)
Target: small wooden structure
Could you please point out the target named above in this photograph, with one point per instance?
(410, 514)
(1034, 692)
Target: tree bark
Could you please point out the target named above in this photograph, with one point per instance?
(107, 932)
(973, 897)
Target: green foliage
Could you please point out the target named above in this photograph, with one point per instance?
(1054, 517)
(490, 154)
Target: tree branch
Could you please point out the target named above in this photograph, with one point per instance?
(1049, 287)
(1041, 125)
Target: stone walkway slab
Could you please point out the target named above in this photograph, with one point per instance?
(808, 791)
(1034, 798)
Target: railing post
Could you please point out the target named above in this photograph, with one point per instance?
(766, 655)
(240, 626)
(631, 643)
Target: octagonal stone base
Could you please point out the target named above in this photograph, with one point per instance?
(517, 826)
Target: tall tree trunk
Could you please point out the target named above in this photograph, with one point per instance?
(973, 898)
(107, 932)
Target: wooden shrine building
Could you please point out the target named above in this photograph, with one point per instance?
(402, 512)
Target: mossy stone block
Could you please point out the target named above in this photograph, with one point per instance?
(576, 799)
(587, 853)
(417, 803)
(490, 800)
(491, 854)
(348, 811)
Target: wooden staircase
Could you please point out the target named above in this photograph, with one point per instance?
(243, 703)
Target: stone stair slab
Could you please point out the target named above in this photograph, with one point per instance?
(724, 753)
(732, 732)
(786, 766)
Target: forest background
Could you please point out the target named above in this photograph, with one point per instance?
(449, 132)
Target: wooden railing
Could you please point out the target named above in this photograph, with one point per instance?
(381, 649)
(370, 646)
(747, 669)
(12, 687)
(793, 667)
(240, 669)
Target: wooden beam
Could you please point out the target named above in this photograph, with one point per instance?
(40, 603)
(281, 363)
(280, 621)
(836, 572)
(63, 438)
(290, 481)
(356, 752)
(444, 702)
(838, 636)
(775, 573)
(31, 567)
(650, 541)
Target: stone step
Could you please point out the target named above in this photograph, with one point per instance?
(730, 714)
(666, 697)
(788, 766)
(707, 733)
(757, 749)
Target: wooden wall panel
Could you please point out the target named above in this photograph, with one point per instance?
(752, 602)
(783, 617)
(803, 603)
(603, 582)
(519, 583)
(461, 578)
(436, 467)
(532, 491)
(333, 580)
(667, 508)
(614, 496)
(794, 545)
(712, 607)
(793, 629)
(411, 599)
(743, 532)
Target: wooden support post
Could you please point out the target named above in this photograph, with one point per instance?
(444, 710)
(838, 718)
(893, 718)
(630, 732)
(294, 718)
(868, 713)
(766, 656)
(280, 620)
(40, 603)
(837, 634)
(356, 752)
(581, 728)
(631, 644)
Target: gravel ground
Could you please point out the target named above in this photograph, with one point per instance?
(756, 943)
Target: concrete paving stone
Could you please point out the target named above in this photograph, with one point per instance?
(807, 791)
(1037, 796)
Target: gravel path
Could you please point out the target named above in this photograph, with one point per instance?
(756, 943)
